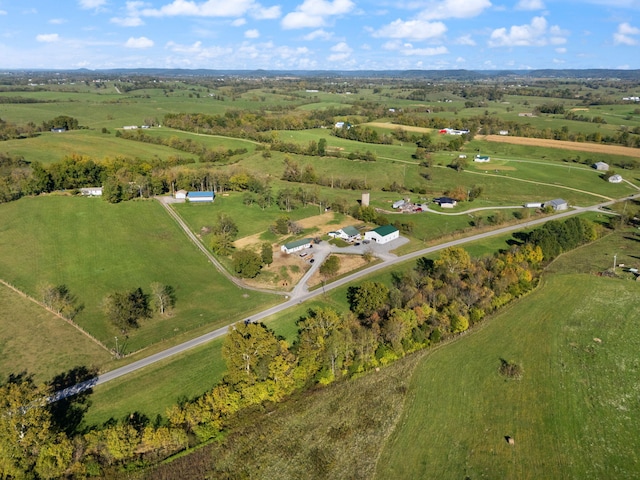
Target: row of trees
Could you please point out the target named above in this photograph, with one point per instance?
(206, 155)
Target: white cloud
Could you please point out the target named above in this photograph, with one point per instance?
(412, 29)
(140, 42)
(48, 37)
(3, 12)
(318, 35)
(127, 21)
(313, 13)
(57, 21)
(210, 8)
(238, 22)
(266, 13)
(407, 49)
(561, 50)
(625, 35)
(90, 4)
(440, 10)
(465, 40)
(534, 34)
(253, 33)
(530, 5)
(341, 52)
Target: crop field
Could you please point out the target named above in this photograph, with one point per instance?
(96, 248)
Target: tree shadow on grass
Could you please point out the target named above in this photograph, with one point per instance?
(67, 413)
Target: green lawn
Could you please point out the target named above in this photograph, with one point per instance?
(96, 248)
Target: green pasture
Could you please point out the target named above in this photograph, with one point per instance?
(570, 414)
(35, 341)
(96, 248)
(53, 147)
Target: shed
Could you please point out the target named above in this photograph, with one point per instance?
(200, 197)
(181, 195)
(482, 158)
(556, 204)
(384, 234)
(58, 129)
(398, 203)
(615, 178)
(601, 166)
(445, 202)
(296, 246)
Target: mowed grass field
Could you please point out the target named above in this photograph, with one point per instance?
(34, 341)
(96, 248)
(572, 413)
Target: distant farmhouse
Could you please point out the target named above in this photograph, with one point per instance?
(452, 131)
(349, 234)
(58, 129)
(557, 205)
(399, 204)
(382, 235)
(482, 158)
(200, 197)
(601, 166)
(296, 246)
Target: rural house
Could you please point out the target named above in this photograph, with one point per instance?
(181, 195)
(346, 233)
(91, 191)
(482, 158)
(398, 203)
(200, 197)
(296, 246)
(557, 205)
(601, 166)
(384, 234)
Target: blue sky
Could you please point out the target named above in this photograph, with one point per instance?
(320, 34)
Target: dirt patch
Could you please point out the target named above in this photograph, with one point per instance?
(348, 263)
(577, 109)
(283, 274)
(564, 145)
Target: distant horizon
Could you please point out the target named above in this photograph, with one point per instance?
(321, 35)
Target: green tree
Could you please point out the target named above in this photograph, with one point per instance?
(322, 147)
(59, 299)
(225, 226)
(282, 225)
(246, 263)
(126, 309)
(25, 426)
(221, 244)
(368, 298)
(266, 253)
(330, 267)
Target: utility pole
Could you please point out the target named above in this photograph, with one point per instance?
(615, 257)
(117, 353)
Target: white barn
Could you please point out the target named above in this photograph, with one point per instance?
(382, 235)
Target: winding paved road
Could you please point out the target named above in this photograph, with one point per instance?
(301, 294)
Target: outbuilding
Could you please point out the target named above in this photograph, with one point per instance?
(181, 195)
(200, 197)
(91, 191)
(601, 166)
(382, 235)
(445, 202)
(296, 246)
(482, 158)
(557, 204)
(615, 178)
